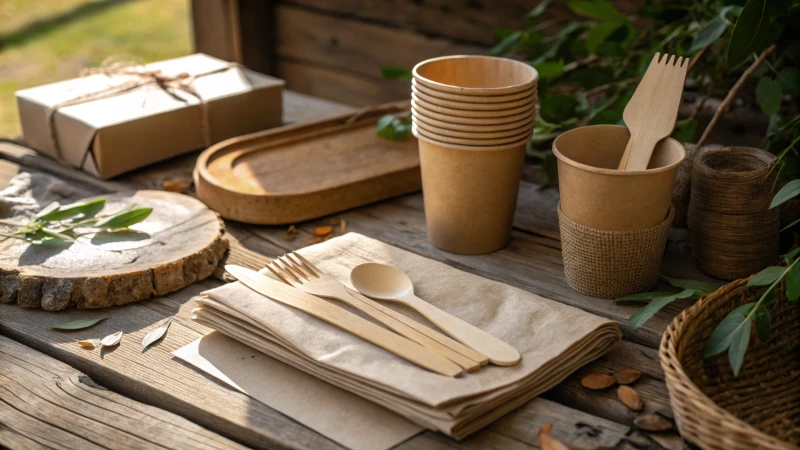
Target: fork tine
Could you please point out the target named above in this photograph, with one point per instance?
(280, 274)
(288, 268)
(297, 266)
(312, 267)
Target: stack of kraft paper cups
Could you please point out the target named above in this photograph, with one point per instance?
(473, 116)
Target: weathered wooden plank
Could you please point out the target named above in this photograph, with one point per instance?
(46, 402)
(353, 45)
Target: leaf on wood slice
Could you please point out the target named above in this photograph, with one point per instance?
(669, 441)
(291, 233)
(176, 185)
(323, 231)
(627, 376)
(89, 344)
(111, 340)
(630, 398)
(156, 334)
(78, 324)
(597, 381)
(547, 442)
(652, 422)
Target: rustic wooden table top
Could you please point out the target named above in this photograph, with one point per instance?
(55, 394)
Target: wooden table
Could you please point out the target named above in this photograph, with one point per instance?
(55, 394)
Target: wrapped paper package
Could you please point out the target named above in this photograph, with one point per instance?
(119, 118)
(554, 339)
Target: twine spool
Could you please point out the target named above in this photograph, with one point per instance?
(734, 233)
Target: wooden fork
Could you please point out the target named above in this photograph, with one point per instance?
(298, 272)
(652, 111)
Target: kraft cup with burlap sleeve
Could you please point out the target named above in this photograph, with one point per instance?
(612, 264)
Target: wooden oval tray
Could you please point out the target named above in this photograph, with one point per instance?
(304, 171)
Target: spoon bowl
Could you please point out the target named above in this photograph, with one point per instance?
(381, 281)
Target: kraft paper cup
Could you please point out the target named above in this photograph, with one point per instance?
(473, 98)
(481, 136)
(470, 194)
(597, 195)
(475, 75)
(420, 117)
(474, 106)
(423, 109)
(473, 142)
(472, 113)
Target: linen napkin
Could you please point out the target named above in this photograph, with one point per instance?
(554, 339)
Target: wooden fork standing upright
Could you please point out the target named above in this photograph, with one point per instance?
(298, 272)
(652, 111)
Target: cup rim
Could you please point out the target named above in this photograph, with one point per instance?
(534, 77)
(472, 148)
(615, 172)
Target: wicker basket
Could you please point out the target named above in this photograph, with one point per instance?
(759, 409)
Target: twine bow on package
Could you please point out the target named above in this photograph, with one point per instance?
(118, 118)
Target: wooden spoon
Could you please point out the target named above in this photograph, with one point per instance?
(652, 111)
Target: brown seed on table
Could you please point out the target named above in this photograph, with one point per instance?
(652, 422)
(178, 186)
(89, 344)
(627, 376)
(547, 442)
(597, 381)
(630, 398)
(291, 233)
(342, 226)
(323, 231)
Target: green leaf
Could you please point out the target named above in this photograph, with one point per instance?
(723, 334)
(768, 95)
(78, 324)
(766, 276)
(644, 296)
(787, 192)
(790, 225)
(789, 257)
(793, 283)
(47, 209)
(550, 70)
(596, 9)
(124, 220)
(643, 315)
(384, 126)
(708, 34)
(763, 323)
(697, 286)
(591, 77)
(739, 342)
(87, 209)
(750, 32)
(396, 73)
(538, 10)
(558, 107)
(789, 78)
(599, 33)
(505, 45)
(685, 130)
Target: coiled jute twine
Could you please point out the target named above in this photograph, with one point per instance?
(734, 233)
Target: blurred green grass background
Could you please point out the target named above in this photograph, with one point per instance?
(42, 41)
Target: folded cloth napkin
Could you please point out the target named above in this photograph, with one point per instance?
(554, 339)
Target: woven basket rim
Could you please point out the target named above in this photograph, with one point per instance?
(676, 377)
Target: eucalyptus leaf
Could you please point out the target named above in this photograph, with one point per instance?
(685, 130)
(708, 34)
(558, 107)
(125, 219)
(550, 70)
(396, 73)
(596, 9)
(506, 45)
(696, 286)
(790, 225)
(47, 210)
(599, 33)
(643, 315)
(763, 323)
(723, 334)
(789, 78)
(384, 126)
(85, 209)
(644, 296)
(155, 334)
(768, 95)
(538, 10)
(78, 324)
(740, 339)
(750, 33)
(766, 276)
(789, 191)
(793, 283)
(112, 339)
(789, 257)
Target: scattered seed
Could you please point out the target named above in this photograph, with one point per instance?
(597, 381)
(547, 442)
(627, 376)
(111, 340)
(156, 333)
(652, 422)
(176, 185)
(630, 398)
(291, 233)
(342, 226)
(323, 231)
(89, 344)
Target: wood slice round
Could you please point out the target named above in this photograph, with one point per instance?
(181, 242)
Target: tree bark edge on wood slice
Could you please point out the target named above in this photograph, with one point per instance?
(182, 242)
